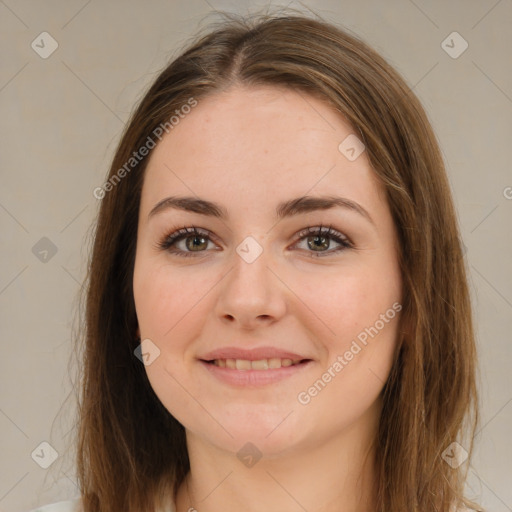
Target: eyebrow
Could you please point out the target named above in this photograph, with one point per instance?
(289, 208)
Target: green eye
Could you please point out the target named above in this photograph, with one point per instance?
(196, 241)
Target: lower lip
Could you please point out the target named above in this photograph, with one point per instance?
(254, 378)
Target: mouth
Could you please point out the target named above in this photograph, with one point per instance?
(253, 374)
(273, 363)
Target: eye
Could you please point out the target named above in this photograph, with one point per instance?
(317, 238)
(196, 241)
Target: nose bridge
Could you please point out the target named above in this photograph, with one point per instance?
(251, 289)
(251, 263)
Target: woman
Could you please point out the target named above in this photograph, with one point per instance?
(277, 314)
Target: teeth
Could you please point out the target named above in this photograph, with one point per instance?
(274, 363)
(242, 364)
(262, 364)
(259, 365)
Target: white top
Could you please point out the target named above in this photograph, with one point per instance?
(70, 506)
(61, 506)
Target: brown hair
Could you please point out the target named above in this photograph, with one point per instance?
(129, 446)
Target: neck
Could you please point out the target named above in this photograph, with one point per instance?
(338, 475)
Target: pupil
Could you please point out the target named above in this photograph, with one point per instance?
(316, 239)
(195, 238)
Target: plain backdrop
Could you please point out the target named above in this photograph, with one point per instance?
(63, 113)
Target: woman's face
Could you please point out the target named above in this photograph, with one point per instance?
(254, 284)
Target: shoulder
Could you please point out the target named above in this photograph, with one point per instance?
(61, 506)
(74, 506)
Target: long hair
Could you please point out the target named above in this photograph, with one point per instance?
(129, 447)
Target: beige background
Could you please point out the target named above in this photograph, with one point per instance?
(61, 119)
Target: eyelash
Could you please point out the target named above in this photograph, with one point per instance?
(166, 243)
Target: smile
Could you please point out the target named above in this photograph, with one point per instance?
(261, 364)
(243, 373)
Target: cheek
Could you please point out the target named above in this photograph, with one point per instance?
(362, 308)
(168, 308)
(347, 302)
(164, 298)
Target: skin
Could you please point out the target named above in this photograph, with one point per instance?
(249, 149)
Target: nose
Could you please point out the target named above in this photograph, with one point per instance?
(251, 294)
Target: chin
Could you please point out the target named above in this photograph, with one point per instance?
(270, 431)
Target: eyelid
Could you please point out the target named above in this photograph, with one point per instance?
(179, 234)
(323, 230)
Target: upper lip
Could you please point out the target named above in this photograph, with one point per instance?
(255, 354)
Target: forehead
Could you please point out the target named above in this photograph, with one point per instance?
(255, 146)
